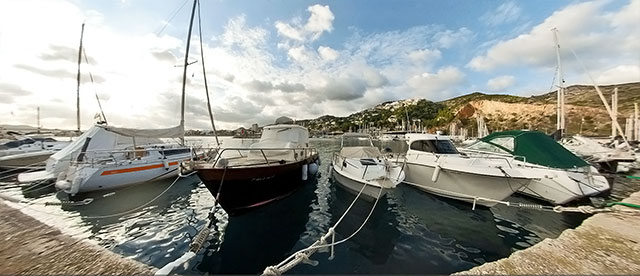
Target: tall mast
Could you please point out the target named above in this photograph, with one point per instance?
(560, 123)
(186, 63)
(614, 112)
(204, 73)
(78, 86)
(38, 119)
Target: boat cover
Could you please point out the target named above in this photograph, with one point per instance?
(360, 152)
(536, 147)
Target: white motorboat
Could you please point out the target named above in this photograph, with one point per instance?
(608, 158)
(558, 176)
(28, 152)
(359, 164)
(433, 164)
(99, 162)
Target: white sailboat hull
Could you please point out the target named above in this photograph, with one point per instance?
(87, 177)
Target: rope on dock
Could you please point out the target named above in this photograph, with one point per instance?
(199, 240)
(585, 209)
(302, 256)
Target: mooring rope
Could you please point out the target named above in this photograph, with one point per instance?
(302, 256)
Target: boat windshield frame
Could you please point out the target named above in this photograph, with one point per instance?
(437, 146)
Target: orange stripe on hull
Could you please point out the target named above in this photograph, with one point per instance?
(137, 169)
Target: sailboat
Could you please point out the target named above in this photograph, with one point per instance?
(28, 151)
(98, 160)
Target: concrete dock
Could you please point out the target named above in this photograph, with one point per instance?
(29, 247)
(605, 243)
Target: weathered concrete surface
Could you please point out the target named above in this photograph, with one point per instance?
(29, 247)
(606, 243)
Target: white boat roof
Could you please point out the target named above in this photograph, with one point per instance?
(285, 133)
(425, 136)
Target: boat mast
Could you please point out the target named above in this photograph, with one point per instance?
(78, 86)
(614, 112)
(38, 119)
(184, 72)
(204, 73)
(560, 123)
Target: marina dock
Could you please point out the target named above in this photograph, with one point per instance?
(606, 243)
(33, 248)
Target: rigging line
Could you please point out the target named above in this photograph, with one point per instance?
(175, 12)
(204, 74)
(95, 92)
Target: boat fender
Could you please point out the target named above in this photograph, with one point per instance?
(313, 168)
(304, 171)
(63, 185)
(436, 174)
(75, 185)
(165, 163)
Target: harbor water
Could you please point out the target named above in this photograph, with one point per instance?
(409, 231)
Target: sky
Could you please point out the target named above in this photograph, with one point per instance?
(302, 59)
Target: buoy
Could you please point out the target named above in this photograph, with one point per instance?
(304, 171)
(436, 174)
(313, 168)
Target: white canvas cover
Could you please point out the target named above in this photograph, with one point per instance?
(360, 152)
(173, 132)
(287, 133)
(280, 137)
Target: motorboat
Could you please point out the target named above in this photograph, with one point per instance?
(242, 179)
(608, 158)
(99, 160)
(558, 176)
(434, 164)
(28, 152)
(361, 166)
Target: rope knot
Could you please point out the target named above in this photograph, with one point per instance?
(271, 271)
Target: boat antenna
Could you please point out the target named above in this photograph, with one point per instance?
(78, 86)
(86, 60)
(184, 71)
(204, 73)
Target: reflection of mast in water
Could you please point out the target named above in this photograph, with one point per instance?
(263, 237)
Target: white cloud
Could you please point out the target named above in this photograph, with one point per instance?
(327, 53)
(620, 74)
(424, 56)
(506, 13)
(436, 85)
(320, 21)
(498, 84)
(593, 35)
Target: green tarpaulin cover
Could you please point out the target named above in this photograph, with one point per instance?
(536, 147)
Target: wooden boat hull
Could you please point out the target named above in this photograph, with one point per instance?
(243, 189)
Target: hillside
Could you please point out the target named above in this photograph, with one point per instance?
(584, 110)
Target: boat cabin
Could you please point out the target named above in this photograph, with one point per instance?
(431, 143)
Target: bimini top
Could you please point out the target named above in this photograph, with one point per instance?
(535, 146)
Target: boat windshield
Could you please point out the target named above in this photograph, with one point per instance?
(484, 146)
(434, 146)
(357, 141)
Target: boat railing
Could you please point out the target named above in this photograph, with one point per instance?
(297, 154)
(119, 157)
(496, 155)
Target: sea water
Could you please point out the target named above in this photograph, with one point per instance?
(408, 232)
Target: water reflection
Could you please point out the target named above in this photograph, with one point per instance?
(262, 237)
